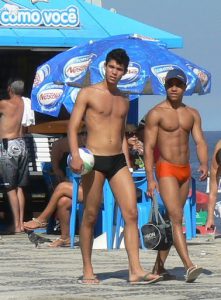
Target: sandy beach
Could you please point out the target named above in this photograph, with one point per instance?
(44, 273)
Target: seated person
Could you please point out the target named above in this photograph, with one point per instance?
(140, 129)
(60, 200)
(135, 147)
(59, 154)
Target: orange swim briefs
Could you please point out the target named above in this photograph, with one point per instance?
(180, 172)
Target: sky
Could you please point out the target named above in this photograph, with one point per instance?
(198, 22)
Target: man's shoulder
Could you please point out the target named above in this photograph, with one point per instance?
(191, 110)
(158, 108)
(94, 88)
(6, 104)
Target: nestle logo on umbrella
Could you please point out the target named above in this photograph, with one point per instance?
(41, 74)
(132, 73)
(75, 70)
(75, 67)
(49, 97)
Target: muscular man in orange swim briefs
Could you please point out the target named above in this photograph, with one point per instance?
(168, 126)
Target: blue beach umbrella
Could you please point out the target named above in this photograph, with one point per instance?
(58, 81)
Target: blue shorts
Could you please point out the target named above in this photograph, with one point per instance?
(13, 163)
(109, 165)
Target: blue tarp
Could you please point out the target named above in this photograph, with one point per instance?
(44, 24)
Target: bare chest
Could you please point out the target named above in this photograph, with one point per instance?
(114, 106)
(174, 120)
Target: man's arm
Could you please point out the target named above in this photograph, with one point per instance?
(77, 115)
(150, 139)
(214, 180)
(201, 145)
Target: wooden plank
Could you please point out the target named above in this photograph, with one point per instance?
(51, 127)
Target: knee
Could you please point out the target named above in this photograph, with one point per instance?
(90, 217)
(131, 216)
(176, 218)
(63, 187)
(64, 202)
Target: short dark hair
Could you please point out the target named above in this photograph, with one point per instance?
(17, 86)
(218, 157)
(120, 55)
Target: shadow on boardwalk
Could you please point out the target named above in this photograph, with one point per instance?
(45, 273)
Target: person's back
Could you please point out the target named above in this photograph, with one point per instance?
(13, 152)
(11, 111)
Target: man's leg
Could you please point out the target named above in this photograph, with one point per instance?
(174, 196)
(160, 261)
(63, 189)
(92, 184)
(21, 200)
(124, 190)
(14, 203)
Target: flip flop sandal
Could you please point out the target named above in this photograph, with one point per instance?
(192, 273)
(144, 280)
(60, 243)
(38, 223)
(89, 281)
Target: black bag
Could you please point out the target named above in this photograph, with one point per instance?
(157, 233)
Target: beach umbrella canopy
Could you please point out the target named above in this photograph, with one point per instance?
(58, 81)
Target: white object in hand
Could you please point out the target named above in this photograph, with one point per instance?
(88, 160)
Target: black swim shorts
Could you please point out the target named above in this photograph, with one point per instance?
(13, 163)
(109, 165)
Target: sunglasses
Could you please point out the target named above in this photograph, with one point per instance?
(130, 133)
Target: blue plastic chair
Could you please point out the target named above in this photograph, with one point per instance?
(49, 179)
(143, 208)
(190, 212)
(107, 210)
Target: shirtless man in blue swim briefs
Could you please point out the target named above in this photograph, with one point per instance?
(13, 152)
(168, 126)
(104, 109)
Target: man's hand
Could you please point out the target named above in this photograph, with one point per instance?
(76, 165)
(152, 185)
(203, 169)
(210, 224)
